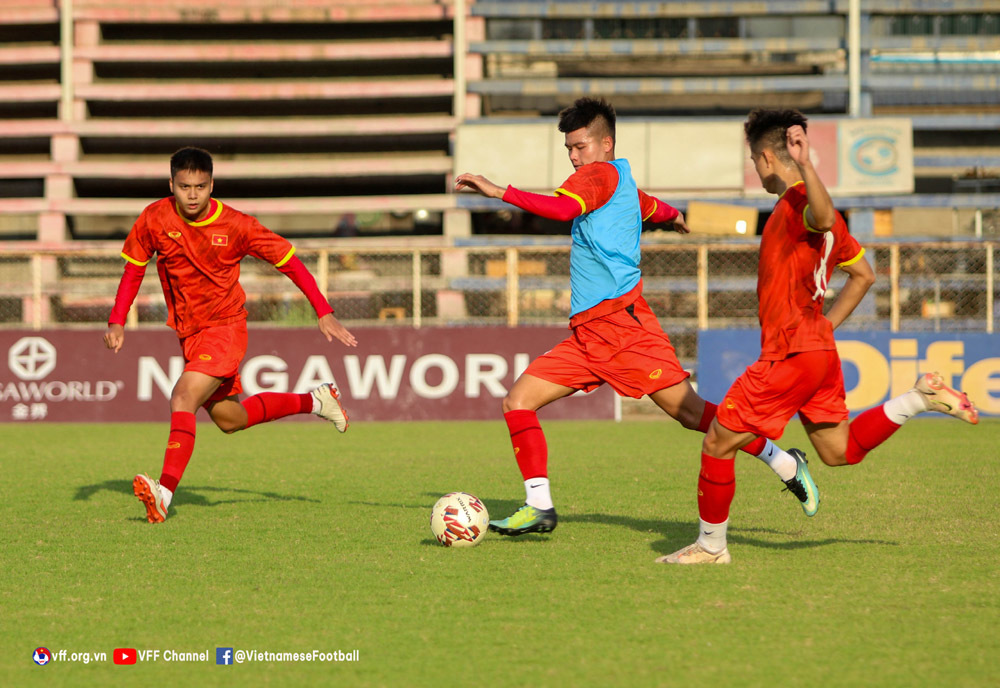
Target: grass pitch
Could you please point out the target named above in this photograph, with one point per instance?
(289, 537)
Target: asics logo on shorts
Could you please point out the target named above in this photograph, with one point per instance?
(656, 373)
(205, 357)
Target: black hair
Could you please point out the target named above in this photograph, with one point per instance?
(767, 129)
(191, 159)
(585, 112)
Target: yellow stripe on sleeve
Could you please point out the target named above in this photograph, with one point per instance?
(583, 206)
(288, 257)
(853, 260)
(140, 263)
(805, 221)
(651, 212)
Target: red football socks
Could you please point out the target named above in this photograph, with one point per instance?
(530, 449)
(707, 416)
(866, 432)
(716, 488)
(268, 406)
(180, 446)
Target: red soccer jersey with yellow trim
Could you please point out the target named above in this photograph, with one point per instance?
(593, 185)
(793, 271)
(199, 262)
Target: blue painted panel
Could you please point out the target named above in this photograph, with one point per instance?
(877, 365)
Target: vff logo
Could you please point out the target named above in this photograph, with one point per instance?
(31, 358)
(42, 656)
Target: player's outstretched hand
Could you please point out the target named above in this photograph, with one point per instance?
(798, 144)
(680, 225)
(479, 184)
(332, 329)
(114, 338)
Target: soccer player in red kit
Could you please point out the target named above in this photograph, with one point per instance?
(798, 370)
(199, 243)
(615, 336)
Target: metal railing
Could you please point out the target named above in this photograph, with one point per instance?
(691, 285)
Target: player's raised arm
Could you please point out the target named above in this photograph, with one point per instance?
(820, 214)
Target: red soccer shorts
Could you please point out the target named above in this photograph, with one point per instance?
(766, 396)
(218, 351)
(627, 349)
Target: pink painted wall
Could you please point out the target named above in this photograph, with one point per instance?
(435, 373)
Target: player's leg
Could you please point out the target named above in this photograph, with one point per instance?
(683, 404)
(528, 394)
(211, 359)
(650, 365)
(876, 425)
(830, 441)
(759, 403)
(232, 415)
(193, 389)
(716, 488)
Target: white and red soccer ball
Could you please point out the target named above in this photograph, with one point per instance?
(459, 520)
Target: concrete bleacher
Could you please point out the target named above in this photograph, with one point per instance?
(935, 62)
(341, 106)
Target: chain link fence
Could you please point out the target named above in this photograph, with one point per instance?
(946, 286)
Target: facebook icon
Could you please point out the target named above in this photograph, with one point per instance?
(223, 655)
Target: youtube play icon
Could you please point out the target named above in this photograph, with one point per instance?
(124, 655)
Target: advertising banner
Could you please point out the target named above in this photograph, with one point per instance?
(877, 365)
(434, 373)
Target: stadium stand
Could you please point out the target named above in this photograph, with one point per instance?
(339, 106)
(933, 61)
(340, 117)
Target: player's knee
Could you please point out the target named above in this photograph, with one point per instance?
(512, 403)
(229, 426)
(691, 421)
(834, 459)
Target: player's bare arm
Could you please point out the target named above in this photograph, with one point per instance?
(114, 338)
(680, 225)
(479, 184)
(860, 277)
(332, 329)
(820, 214)
(662, 214)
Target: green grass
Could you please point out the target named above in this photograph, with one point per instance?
(289, 537)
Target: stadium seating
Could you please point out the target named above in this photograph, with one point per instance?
(340, 116)
(349, 104)
(337, 105)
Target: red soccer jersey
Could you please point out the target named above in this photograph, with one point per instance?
(794, 268)
(593, 185)
(199, 262)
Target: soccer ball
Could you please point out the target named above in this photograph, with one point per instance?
(459, 520)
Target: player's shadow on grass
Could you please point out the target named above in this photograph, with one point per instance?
(677, 534)
(192, 495)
